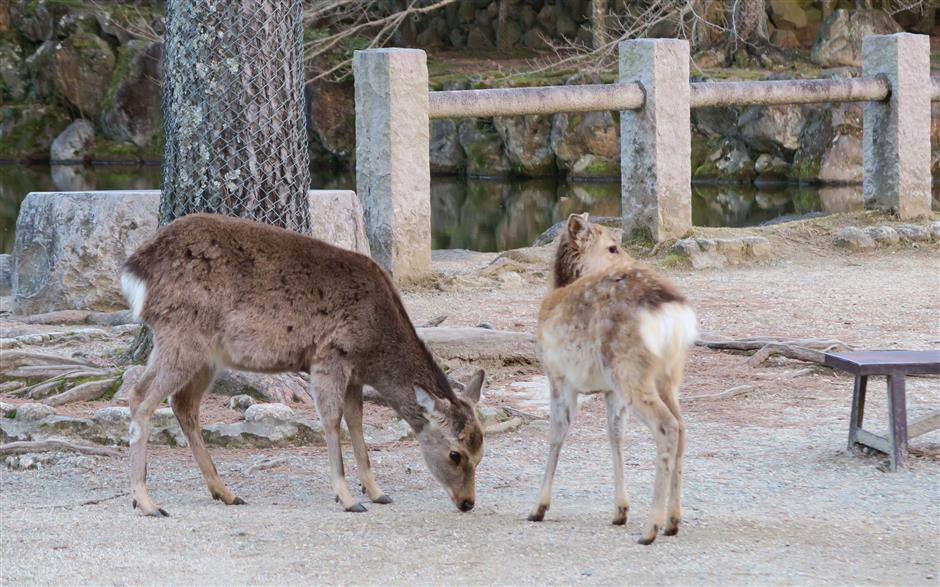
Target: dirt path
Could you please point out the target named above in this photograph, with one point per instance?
(771, 494)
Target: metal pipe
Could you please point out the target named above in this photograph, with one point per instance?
(766, 93)
(543, 100)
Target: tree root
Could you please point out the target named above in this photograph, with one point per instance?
(22, 446)
(810, 350)
(726, 394)
(83, 392)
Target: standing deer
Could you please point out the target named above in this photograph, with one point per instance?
(610, 325)
(229, 293)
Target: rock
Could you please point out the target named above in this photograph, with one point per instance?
(337, 218)
(483, 148)
(32, 19)
(911, 233)
(934, 230)
(131, 107)
(477, 40)
(701, 253)
(854, 239)
(586, 144)
(787, 14)
(772, 128)
(279, 387)
(7, 410)
(883, 235)
(6, 274)
(268, 413)
(27, 462)
(840, 38)
(26, 132)
(447, 155)
(535, 39)
(331, 118)
(118, 24)
(843, 161)
(527, 142)
(757, 247)
(75, 22)
(551, 233)
(297, 432)
(771, 168)
(728, 159)
(83, 65)
(128, 381)
(113, 415)
(75, 143)
(69, 247)
(566, 27)
(240, 403)
(13, 75)
(547, 19)
(785, 39)
(41, 71)
(396, 431)
(32, 412)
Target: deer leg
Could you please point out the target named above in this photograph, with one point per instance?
(169, 370)
(352, 412)
(615, 414)
(328, 387)
(668, 392)
(186, 408)
(564, 408)
(665, 428)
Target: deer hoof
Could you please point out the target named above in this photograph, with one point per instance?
(383, 499)
(672, 528)
(649, 537)
(357, 508)
(539, 514)
(238, 501)
(620, 518)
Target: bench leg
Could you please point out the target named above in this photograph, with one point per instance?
(897, 421)
(858, 408)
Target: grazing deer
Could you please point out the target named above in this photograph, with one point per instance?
(612, 326)
(221, 292)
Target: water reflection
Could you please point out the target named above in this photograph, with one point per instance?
(478, 214)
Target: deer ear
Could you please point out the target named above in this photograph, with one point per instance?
(472, 390)
(427, 403)
(578, 226)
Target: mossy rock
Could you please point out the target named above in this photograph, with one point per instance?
(26, 132)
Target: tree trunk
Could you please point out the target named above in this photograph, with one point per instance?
(233, 107)
(598, 23)
(502, 26)
(748, 21)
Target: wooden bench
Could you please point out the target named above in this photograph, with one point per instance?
(895, 365)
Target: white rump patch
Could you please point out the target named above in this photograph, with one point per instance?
(669, 329)
(135, 292)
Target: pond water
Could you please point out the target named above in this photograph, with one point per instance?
(477, 214)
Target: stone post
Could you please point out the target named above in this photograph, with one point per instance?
(656, 140)
(393, 177)
(897, 131)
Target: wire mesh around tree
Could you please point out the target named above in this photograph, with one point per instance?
(233, 105)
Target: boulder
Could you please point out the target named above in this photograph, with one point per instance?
(728, 158)
(911, 233)
(331, 118)
(117, 23)
(33, 412)
(240, 403)
(78, 21)
(83, 64)
(843, 160)
(41, 72)
(31, 18)
(131, 107)
(770, 129)
(854, 239)
(70, 247)
(771, 168)
(840, 38)
(480, 346)
(27, 132)
(75, 143)
(527, 142)
(268, 413)
(883, 235)
(934, 230)
(336, 217)
(708, 253)
(483, 148)
(13, 76)
(447, 155)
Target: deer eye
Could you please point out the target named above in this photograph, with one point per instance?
(613, 249)
(455, 457)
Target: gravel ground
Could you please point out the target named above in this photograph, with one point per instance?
(771, 494)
